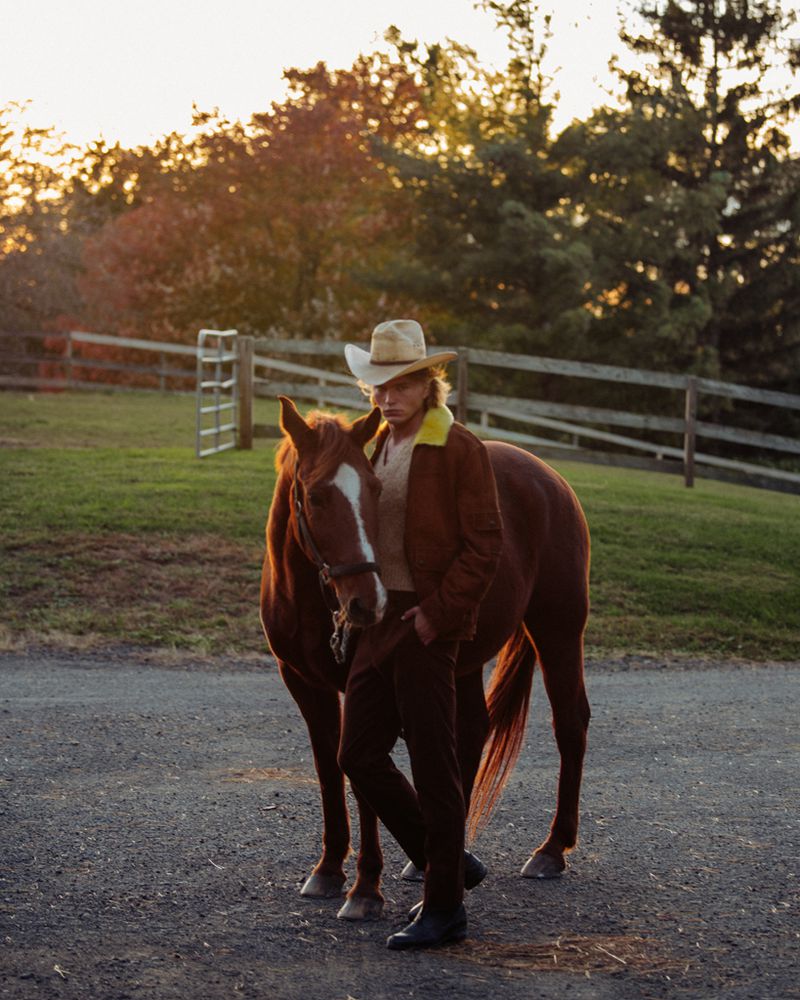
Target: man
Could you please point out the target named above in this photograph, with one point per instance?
(439, 538)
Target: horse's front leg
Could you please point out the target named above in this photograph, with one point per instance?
(321, 711)
(365, 900)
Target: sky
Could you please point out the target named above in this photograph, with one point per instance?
(130, 72)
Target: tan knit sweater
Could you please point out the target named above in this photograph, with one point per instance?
(393, 474)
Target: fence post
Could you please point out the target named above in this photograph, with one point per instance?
(68, 357)
(462, 389)
(690, 432)
(245, 347)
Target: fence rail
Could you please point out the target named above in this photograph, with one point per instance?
(304, 369)
(54, 361)
(573, 425)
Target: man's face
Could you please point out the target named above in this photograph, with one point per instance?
(402, 399)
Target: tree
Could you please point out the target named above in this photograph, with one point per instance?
(690, 196)
(154, 259)
(39, 258)
(262, 226)
(494, 259)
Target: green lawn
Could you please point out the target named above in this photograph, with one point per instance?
(112, 531)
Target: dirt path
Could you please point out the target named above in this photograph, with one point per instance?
(156, 824)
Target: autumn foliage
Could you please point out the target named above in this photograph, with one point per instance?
(663, 232)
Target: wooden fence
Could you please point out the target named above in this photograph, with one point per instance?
(313, 371)
(573, 430)
(63, 360)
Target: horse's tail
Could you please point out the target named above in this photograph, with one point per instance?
(507, 698)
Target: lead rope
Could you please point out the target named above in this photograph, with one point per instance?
(340, 640)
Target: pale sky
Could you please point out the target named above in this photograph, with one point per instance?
(131, 71)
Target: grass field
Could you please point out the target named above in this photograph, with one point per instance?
(113, 532)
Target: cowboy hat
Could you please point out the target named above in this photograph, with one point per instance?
(397, 348)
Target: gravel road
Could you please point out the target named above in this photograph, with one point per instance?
(157, 823)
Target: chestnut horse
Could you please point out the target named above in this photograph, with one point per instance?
(320, 581)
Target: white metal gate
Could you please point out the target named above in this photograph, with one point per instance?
(217, 392)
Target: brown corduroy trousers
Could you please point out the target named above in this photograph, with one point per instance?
(396, 684)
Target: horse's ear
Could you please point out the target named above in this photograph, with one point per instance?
(293, 424)
(365, 428)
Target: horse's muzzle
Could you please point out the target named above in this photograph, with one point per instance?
(360, 614)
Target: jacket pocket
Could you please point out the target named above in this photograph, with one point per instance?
(488, 520)
(433, 558)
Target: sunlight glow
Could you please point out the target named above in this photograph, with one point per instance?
(132, 73)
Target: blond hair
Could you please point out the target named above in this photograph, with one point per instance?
(439, 388)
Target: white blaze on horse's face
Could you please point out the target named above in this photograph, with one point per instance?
(348, 482)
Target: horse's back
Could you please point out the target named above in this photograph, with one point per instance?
(541, 514)
(545, 556)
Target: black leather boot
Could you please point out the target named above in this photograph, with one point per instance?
(430, 929)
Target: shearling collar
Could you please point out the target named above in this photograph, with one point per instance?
(435, 427)
(434, 431)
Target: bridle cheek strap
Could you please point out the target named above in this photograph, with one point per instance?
(327, 573)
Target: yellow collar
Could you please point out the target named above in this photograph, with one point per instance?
(435, 427)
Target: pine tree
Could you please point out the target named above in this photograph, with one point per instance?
(691, 196)
(494, 260)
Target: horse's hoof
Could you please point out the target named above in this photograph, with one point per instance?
(323, 886)
(412, 874)
(361, 908)
(543, 866)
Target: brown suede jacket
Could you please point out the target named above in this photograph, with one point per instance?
(453, 530)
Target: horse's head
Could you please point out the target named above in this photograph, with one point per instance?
(335, 506)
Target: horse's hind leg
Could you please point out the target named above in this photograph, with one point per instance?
(561, 660)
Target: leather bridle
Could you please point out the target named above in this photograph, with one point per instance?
(327, 573)
(342, 629)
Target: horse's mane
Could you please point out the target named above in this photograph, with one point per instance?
(333, 444)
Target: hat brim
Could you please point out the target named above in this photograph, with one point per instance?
(365, 370)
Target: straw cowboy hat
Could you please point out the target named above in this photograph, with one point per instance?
(397, 348)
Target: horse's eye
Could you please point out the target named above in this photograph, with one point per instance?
(316, 498)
